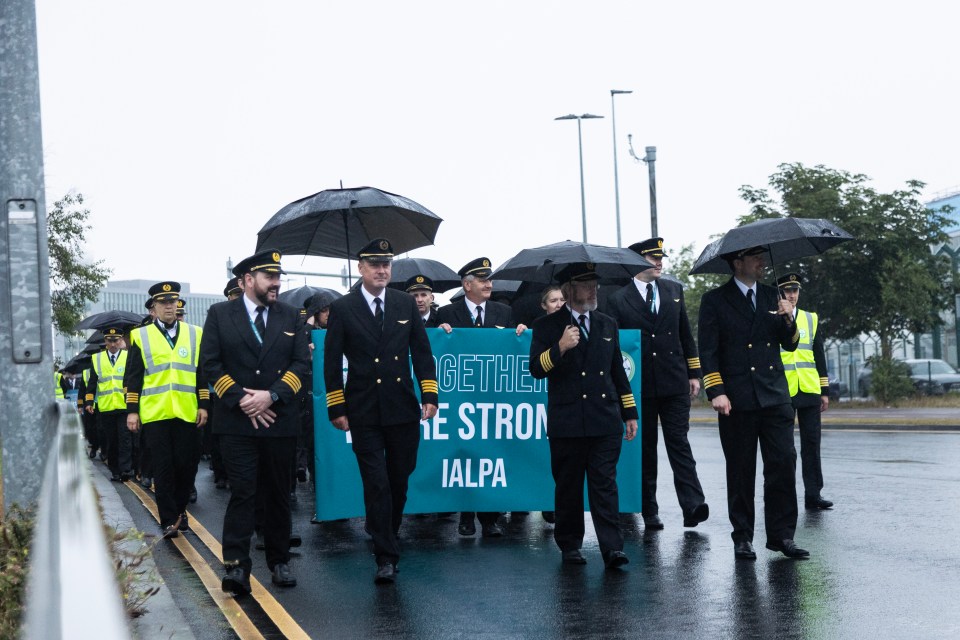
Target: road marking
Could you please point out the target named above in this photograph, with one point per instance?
(274, 610)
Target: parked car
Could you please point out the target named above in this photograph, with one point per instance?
(930, 376)
(838, 389)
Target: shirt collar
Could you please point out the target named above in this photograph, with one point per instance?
(473, 307)
(744, 288)
(642, 286)
(369, 296)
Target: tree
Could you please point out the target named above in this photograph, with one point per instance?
(74, 281)
(886, 281)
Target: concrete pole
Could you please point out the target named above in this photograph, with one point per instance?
(651, 159)
(26, 336)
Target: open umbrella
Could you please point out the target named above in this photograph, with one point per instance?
(299, 296)
(107, 319)
(785, 239)
(95, 338)
(78, 363)
(337, 222)
(444, 278)
(94, 348)
(541, 264)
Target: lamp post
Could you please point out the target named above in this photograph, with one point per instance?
(583, 198)
(650, 159)
(616, 178)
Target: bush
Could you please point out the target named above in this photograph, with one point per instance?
(16, 531)
(890, 380)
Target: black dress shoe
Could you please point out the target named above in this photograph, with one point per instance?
(743, 550)
(492, 530)
(295, 540)
(221, 483)
(301, 474)
(817, 502)
(573, 557)
(282, 577)
(788, 548)
(193, 495)
(236, 581)
(170, 531)
(92, 454)
(700, 513)
(260, 544)
(550, 516)
(146, 482)
(652, 522)
(614, 559)
(184, 523)
(116, 477)
(126, 475)
(466, 527)
(386, 574)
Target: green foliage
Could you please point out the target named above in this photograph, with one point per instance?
(74, 282)
(886, 281)
(16, 530)
(889, 379)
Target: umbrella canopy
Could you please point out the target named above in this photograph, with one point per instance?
(299, 296)
(78, 363)
(95, 338)
(785, 239)
(337, 222)
(107, 319)
(320, 301)
(444, 278)
(541, 264)
(93, 348)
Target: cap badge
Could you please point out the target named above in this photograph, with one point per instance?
(384, 245)
(660, 244)
(276, 257)
(167, 287)
(419, 279)
(486, 263)
(591, 266)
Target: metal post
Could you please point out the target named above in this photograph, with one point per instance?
(651, 158)
(26, 336)
(616, 177)
(583, 197)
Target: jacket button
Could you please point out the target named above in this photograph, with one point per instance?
(257, 372)
(584, 396)
(601, 373)
(653, 335)
(395, 358)
(751, 369)
(771, 367)
(583, 373)
(603, 395)
(378, 380)
(398, 379)
(768, 344)
(749, 346)
(376, 359)
(654, 353)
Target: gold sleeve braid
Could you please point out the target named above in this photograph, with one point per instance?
(335, 398)
(292, 381)
(628, 401)
(429, 386)
(712, 380)
(545, 361)
(223, 384)
(693, 363)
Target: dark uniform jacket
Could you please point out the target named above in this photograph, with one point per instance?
(740, 347)
(432, 320)
(495, 314)
(670, 357)
(379, 389)
(588, 393)
(232, 358)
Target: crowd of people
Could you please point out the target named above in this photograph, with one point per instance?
(161, 396)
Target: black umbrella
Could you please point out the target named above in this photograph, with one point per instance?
(320, 301)
(785, 239)
(94, 348)
(107, 319)
(78, 363)
(338, 222)
(444, 278)
(299, 296)
(541, 264)
(95, 338)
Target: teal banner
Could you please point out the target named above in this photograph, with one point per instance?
(486, 449)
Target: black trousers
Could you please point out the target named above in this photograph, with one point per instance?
(90, 429)
(113, 426)
(808, 419)
(740, 432)
(572, 459)
(174, 452)
(386, 455)
(674, 415)
(253, 463)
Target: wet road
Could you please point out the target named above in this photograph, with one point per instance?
(885, 563)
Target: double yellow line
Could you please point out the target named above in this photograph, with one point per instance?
(241, 623)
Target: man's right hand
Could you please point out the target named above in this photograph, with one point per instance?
(721, 404)
(569, 339)
(341, 423)
(133, 422)
(89, 409)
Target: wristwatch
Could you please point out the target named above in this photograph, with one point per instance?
(274, 396)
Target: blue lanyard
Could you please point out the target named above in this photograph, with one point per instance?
(256, 334)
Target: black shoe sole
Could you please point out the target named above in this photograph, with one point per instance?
(234, 587)
(617, 562)
(796, 556)
(467, 532)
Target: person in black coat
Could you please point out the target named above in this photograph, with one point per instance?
(380, 331)
(588, 401)
(743, 325)
(476, 309)
(255, 351)
(421, 288)
(670, 379)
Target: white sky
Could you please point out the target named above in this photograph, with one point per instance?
(188, 124)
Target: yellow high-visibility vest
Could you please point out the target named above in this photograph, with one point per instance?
(57, 386)
(111, 395)
(800, 366)
(170, 373)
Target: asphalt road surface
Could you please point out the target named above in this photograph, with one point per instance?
(885, 563)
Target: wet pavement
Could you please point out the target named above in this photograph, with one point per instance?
(884, 563)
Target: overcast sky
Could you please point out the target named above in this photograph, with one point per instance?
(187, 125)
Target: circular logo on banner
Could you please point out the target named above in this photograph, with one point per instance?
(182, 352)
(276, 257)
(628, 365)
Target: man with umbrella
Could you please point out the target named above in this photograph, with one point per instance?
(588, 401)
(806, 371)
(671, 377)
(477, 310)
(380, 333)
(743, 325)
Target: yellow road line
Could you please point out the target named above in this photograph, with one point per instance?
(274, 610)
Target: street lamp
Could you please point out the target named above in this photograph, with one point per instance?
(583, 198)
(616, 179)
(650, 158)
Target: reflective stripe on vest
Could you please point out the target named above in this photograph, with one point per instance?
(57, 388)
(110, 391)
(799, 366)
(170, 373)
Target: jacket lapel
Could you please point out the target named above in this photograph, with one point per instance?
(365, 316)
(274, 327)
(737, 300)
(238, 312)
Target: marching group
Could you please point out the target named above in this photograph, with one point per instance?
(243, 379)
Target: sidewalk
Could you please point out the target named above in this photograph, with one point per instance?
(163, 618)
(886, 419)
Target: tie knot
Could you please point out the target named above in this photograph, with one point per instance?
(260, 308)
(378, 301)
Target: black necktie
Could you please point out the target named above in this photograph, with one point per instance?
(583, 327)
(650, 305)
(378, 313)
(753, 303)
(479, 320)
(113, 359)
(258, 322)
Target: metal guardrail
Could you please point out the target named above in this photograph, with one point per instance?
(72, 591)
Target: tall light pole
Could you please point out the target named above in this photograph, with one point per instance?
(616, 178)
(650, 158)
(583, 197)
